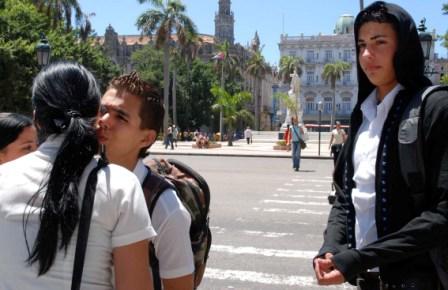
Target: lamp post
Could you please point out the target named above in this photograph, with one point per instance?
(319, 108)
(43, 50)
(426, 42)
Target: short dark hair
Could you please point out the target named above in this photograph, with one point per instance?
(151, 108)
(11, 126)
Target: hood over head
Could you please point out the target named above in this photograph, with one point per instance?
(408, 60)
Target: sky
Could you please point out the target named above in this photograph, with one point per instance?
(270, 18)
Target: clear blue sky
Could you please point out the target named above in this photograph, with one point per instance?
(269, 17)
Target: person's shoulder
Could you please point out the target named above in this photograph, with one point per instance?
(169, 204)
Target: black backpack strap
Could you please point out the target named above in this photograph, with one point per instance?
(153, 187)
(84, 225)
(410, 137)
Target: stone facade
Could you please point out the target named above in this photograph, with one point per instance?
(317, 51)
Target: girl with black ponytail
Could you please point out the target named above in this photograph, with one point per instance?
(41, 195)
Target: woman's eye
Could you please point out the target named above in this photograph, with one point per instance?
(103, 110)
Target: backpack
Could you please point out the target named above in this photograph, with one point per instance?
(413, 167)
(194, 193)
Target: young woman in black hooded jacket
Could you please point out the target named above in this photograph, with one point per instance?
(377, 237)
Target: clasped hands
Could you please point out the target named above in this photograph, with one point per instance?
(326, 273)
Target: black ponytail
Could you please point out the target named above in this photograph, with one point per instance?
(66, 101)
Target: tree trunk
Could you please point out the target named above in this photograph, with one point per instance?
(221, 121)
(174, 98)
(166, 86)
(333, 109)
(257, 104)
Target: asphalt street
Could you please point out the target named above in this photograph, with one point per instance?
(267, 221)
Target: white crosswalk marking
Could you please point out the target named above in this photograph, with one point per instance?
(298, 211)
(264, 252)
(294, 202)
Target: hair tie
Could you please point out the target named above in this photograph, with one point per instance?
(72, 114)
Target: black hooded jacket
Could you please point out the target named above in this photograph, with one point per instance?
(405, 232)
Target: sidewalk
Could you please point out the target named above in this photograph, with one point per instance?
(259, 148)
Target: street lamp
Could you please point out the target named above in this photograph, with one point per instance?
(426, 42)
(43, 49)
(320, 109)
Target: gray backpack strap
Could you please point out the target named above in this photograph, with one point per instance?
(410, 145)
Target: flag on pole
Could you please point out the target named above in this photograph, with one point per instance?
(219, 56)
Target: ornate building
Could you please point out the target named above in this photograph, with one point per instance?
(317, 51)
(120, 48)
(224, 22)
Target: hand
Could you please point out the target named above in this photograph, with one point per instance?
(326, 273)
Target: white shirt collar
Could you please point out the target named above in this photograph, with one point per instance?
(140, 171)
(370, 107)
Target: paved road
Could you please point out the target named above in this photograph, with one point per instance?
(267, 221)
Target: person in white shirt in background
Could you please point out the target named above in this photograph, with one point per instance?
(131, 117)
(248, 135)
(338, 137)
(41, 193)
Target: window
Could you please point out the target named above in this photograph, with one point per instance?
(328, 104)
(346, 105)
(328, 55)
(309, 105)
(310, 56)
(310, 77)
(292, 53)
(347, 56)
(346, 77)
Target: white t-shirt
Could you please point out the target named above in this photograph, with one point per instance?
(119, 218)
(171, 221)
(338, 136)
(364, 161)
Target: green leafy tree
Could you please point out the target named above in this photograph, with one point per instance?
(148, 63)
(444, 38)
(233, 108)
(163, 21)
(287, 66)
(333, 72)
(20, 24)
(257, 68)
(289, 103)
(444, 80)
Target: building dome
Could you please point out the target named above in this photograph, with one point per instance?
(345, 24)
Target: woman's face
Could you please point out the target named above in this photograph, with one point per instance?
(25, 143)
(377, 43)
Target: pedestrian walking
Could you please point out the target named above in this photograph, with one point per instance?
(248, 135)
(169, 138)
(338, 137)
(175, 134)
(382, 232)
(295, 135)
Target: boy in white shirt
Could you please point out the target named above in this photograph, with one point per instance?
(131, 116)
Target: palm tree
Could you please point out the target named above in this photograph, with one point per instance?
(163, 21)
(59, 11)
(224, 63)
(232, 107)
(287, 66)
(85, 26)
(333, 72)
(257, 68)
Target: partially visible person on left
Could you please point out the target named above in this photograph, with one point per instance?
(18, 136)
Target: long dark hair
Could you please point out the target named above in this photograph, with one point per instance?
(11, 125)
(66, 101)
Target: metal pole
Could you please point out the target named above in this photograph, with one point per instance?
(221, 125)
(318, 149)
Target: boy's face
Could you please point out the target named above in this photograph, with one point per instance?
(377, 44)
(119, 128)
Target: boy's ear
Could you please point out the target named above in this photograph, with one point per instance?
(149, 137)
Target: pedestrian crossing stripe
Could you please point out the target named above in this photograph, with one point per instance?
(263, 252)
